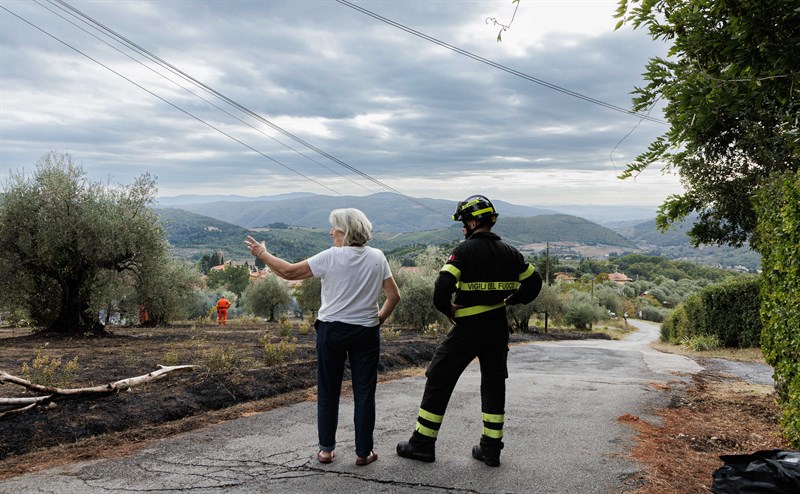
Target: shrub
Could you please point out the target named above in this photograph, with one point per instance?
(389, 334)
(701, 343)
(47, 371)
(732, 312)
(277, 353)
(655, 314)
(284, 326)
(305, 328)
(172, 357)
(416, 308)
(777, 205)
(220, 359)
(673, 329)
(582, 311)
(695, 317)
(433, 329)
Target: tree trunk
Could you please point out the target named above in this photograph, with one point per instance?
(74, 315)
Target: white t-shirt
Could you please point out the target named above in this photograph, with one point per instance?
(352, 278)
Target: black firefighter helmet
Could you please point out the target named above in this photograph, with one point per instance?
(477, 208)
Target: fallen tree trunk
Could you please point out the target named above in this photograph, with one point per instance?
(26, 403)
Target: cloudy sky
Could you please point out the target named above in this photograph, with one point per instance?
(331, 100)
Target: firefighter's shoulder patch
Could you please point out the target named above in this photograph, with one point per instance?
(452, 257)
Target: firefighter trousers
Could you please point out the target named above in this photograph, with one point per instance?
(487, 341)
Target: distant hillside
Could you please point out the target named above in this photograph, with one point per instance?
(388, 212)
(675, 244)
(186, 229)
(647, 232)
(172, 201)
(517, 231)
(606, 215)
(557, 228)
(192, 235)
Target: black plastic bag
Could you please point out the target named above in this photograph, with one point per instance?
(763, 472)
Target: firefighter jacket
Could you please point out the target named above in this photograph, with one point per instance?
(486, 274)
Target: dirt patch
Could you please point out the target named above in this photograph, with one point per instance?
(716, 415)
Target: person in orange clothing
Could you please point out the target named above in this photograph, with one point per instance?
(222, 311)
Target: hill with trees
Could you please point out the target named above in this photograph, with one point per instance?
(387, 211)
(558, 228)
(192, 235)
(675, 243)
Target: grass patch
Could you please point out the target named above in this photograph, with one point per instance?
(737, 354)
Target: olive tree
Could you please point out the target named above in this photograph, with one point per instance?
(416, 308)
(61, 232)
(234, 278)
(266, 296)
(582, 311)
(308, 295)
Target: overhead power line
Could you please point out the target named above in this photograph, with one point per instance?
(175, 70)
(165, 100)
(498, 65)
(184, 87)
(243, 108)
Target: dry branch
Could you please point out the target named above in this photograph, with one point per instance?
(21, 404)
(6, 402)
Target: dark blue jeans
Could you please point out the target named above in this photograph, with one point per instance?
(336, 343)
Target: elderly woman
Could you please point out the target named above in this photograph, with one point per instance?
(348, 323)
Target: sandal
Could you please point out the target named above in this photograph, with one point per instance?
(361, 461)
(325, 456)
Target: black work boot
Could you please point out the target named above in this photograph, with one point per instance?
(419, 447)
(488, 451)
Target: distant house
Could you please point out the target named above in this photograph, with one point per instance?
(619, 278)
(227, 264)
(258, 274)
(565, 278)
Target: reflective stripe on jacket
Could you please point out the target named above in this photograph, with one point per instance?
(483, 271)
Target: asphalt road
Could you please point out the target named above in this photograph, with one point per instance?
(561, 435)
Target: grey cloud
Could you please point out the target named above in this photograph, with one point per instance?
(447, 114)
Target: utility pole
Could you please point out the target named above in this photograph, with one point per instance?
(547, 263)
(546, 277)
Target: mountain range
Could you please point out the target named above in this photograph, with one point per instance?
(296, 225)
(388, 212)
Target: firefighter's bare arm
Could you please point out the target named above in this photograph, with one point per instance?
(286, 270)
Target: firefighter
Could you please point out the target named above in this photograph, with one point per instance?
(486, 275)
(222, 311)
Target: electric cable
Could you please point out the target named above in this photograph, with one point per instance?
(198, 96)
(163, 63)
(498, 65)
(250, 112)
(444, 239)
(167, 101)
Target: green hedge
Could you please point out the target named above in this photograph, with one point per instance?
(729, 311)
(732, 309)
(778, 241)
(675, 326)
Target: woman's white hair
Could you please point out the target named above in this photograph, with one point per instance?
(353, 223)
